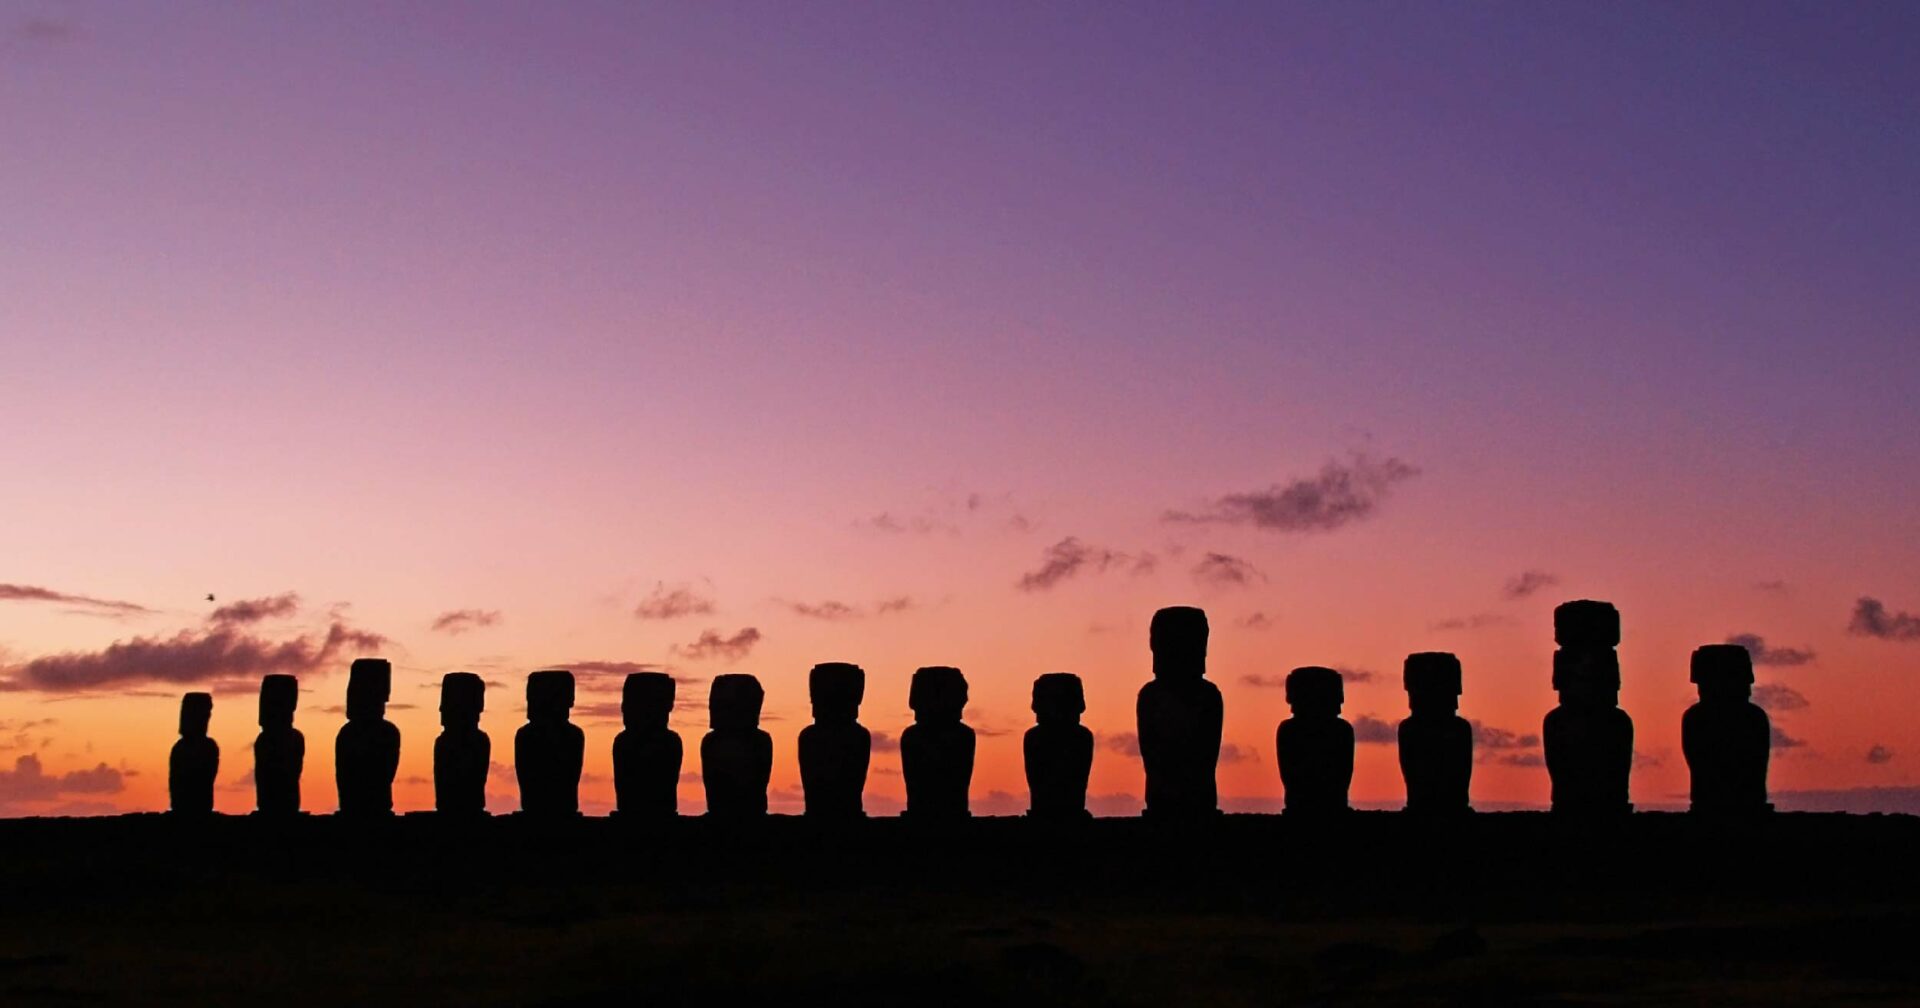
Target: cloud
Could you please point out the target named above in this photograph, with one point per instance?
(1764, 655)
(1222, 570)
(833, 610)
(1355, 675)
(711, 644)
(883, 742)
(47, 30)
(1479, 621)
(459, 621)
(950, 515)
(1782, 740)
(1775, 587)
(619, 668)
(249, 611)
(1254, 621)
(1778, 697)
(1523, 759)
(1370, 730)
(1340, 494)
(100, 606)
(1858, 800)
(1871, 619)
(29, 782)
(672, 603)
(1068, 557)
(1231, 753)
(1125, 743)
(887, 521)
(1528, 583)
(1879, 754)
(1265, 680)
(1487, 737)
(897, 604)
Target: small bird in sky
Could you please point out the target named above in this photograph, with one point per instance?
(209, 596)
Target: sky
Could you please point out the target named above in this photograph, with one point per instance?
(739, 337)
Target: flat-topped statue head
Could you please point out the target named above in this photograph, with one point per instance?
(1586, 624)
(836, 689)
(463, 696)
(1587, 678)
(1058, 698)
(1178, 636)
(646, 700)
(938, 693)
(196, 712)
(279, 695)
(369, 684)
(1432, 680)
(1315, 691)
(733, 702)
(549, 695)
(1722, 672)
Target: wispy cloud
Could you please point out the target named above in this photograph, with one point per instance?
(1879, 754)
(459, 621)
(28, 781)
(1479, 621)
(1222, 570)
(1254, 621)
(1528, 583)
(1871, 619)
(1782, 740)
(1341, 493)
(1764, 655)
(712, 644)
(249, 611)
(1778, 697)
(1070, 556)
(1370, 730)
(672, 602)
(834, 610)
(34, 593)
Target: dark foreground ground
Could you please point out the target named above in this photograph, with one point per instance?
(1379, 909)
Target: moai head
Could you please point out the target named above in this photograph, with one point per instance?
(1723, 672)
(1314, 691)
(1587, 678)
(196, 710)
(836, 689)
(646, 699)
(1058, 698)
(369, 682)
(549, 695)
(1432, 679)
(938, 693)
(279, 695)
(1178, 636)
(733, 702)
(463, 696)
(1586, 624)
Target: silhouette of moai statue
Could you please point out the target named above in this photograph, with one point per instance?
(367, 751)
(195, 759)
(547, 750)
(736, 757)
(1316, 743)
(279, 751)
(1179, 715)
(1727, 738)
(646, 753)
(462, 753)
(835, 749)
(936, 751)
(1058, 748)
(1588, 739)
(1436, 743)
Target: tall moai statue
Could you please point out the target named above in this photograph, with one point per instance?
(1588, 739)
(1315, 745)
(835, 749)
(279, 751)
(462, 753)
(646, 753)
(195, 759)
(1726, 737)
(1436, 743)
(936, 751)
(1058, 749)
(1179, 715)
(548, 749)
(367, 751)
(736, 757)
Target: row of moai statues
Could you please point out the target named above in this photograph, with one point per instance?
(1587, 739)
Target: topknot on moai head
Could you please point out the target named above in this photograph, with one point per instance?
(279, 695)
(1178, 637)
(646, 697)
(1722, 670)
(733, 701)
(1586, 674)
(369, 684)
(1585, 623)
(1058, 696)
(1315, 689)
(463, 696)
(1431, 673)
(938, 693)
(196, 712)
(549, 694)
(836, 689)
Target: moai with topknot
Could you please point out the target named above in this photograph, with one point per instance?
(195, 759)
(936, 751)
(463, 753)
(1726, 737)
(1315, 745)
(835, 749)
(1588, 739)
(279, 751)
(1179, 715)
(736, 757)
(646, 753)
(367, 751)
(1058, 748)
(548, 749)
(1436, 743)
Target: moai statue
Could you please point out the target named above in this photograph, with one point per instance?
(646, 753)
(1316, 743)
(1436, 743)
(1059, 749)
(736, 757)
(462, 753)
(279, 751)
(1727, 738)
(547, 750)
(1179, 715)
(195, 759)
(936, 751)
(367, 751)
(835, 749)
(1588, 739)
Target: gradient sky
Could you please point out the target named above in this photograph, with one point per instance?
(542, 311)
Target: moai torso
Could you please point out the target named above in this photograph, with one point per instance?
(1435, 742)
(936, 751)
(835, 750)
(1179, 715)
(194, 761)
(280, 751)
(1727, 739)
(548, 749)
(1058, 750)
(1315, 746)
(366, 753)
(462, 753)
(1588, 739)
(736, 757)
(646, 753)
